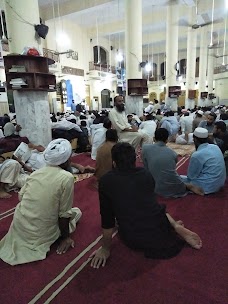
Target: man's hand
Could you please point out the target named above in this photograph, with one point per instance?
(65, 245)
(134, 128)
(18, 128)
(100, 257)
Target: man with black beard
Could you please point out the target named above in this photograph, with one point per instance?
(221, 138)
(126, 132)
(209, 124)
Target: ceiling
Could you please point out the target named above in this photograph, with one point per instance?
(108, 17)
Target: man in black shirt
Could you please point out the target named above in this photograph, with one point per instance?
(221, 137)
(127, 195)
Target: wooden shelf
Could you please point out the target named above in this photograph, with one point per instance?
(137, 87)
(174, 91)
(37, 76)
(191, 94)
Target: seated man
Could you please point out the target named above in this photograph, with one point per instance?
(44, 212)
(206, 167)
(98, 137)
(148, 126)
(161, 161)
(104, 157)
(221, 137)
(14, 172)
(127, 195)
(171, 124)
(125, 131)
(69, 130)
(12, 138)
(209, 125)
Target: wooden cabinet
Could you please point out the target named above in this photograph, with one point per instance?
(203, 95)
(137, 87)
(174, 91)
(191, 94)
(33, 70)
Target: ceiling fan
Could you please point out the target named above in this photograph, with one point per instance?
(203, 17)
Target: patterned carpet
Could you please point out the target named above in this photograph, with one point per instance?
(182, 150)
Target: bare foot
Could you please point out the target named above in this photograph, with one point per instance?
(190, 237)
(89, 169)
(4, 194)
(195, 189)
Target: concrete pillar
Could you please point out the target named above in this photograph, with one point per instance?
(191, 60)
(21, 33)
(133, 51)
(32, 107)
(202, 64)
(210, 73)
(171, 52)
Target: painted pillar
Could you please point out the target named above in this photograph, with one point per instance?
(133, 49)
(191, 60)
(210, 73)
(202, 64)
(171, 52)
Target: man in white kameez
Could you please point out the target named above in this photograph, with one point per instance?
(44, 213)
(126, 132)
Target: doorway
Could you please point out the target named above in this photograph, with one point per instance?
(105, 98)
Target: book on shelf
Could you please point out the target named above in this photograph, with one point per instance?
(17, 68)
(23, 152)
(18, 81)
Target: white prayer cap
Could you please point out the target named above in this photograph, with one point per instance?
(200, 112)
(9, 129)
(201, 133)
(57, 152)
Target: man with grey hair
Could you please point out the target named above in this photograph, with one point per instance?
(44, 213)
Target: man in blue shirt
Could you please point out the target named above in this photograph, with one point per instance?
(207, 167)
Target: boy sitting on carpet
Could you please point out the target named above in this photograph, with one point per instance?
(127, 194)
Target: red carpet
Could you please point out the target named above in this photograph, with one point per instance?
(191, 277)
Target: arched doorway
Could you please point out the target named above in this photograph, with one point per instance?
(105, 98)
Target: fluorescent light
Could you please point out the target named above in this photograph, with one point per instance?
(226, 3)
(119, 57)
(148, 67)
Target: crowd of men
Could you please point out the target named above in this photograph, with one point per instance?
(127, 193)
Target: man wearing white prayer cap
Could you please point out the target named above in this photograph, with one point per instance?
(206, 167)
(45, 212)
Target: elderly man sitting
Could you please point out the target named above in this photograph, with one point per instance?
(44, 213)
(206, 167)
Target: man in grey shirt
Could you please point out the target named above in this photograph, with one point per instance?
(209, 123)
(161, 162)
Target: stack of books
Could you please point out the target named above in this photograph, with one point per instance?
(17, 83)
(51, 87)
(17, 68)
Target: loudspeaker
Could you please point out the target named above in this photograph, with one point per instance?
(143, 64)
(111, 47)
(41, 30)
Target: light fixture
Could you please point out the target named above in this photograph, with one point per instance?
(148, 67)
(119, 57)
(63, 39)
(226, 3)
